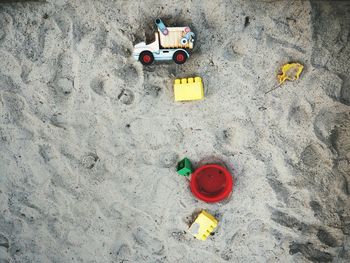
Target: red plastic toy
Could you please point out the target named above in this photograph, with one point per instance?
(211, 183)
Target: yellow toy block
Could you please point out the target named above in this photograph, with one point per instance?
(204, 224)
(188, 89)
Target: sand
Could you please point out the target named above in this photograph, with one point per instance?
(90, 138)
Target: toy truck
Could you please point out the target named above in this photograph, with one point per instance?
(171, 43)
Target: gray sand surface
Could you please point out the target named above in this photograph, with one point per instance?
(89, 138)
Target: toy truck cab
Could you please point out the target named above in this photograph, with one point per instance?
(170, 44)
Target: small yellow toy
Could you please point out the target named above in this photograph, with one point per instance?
(290, 71)
(204, 224)
(188, 89)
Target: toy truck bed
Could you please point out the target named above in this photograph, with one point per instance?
(173, 38)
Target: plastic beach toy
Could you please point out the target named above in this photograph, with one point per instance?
(188, 89)
(203, 226)
(184, 167)
(290, 71)
(171, 43)
(211, 183)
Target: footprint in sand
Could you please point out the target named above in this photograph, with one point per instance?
(4, 248)
(123, 252)
(168, 159)
(15, 106)
(98, 86)
(89, 161)
(7, 84)
(128, 74)
(5, 20)
(150, 243)
(126, 96)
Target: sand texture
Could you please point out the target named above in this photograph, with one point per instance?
(89, 138)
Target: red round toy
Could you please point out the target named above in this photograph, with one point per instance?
(211, 183)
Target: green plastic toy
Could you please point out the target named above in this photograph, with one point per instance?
(184, 167)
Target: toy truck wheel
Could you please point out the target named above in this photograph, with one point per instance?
(180, 57)
(146, 57)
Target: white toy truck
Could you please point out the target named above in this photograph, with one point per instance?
(170, 44)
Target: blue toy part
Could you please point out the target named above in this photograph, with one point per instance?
(188, 37)
(162, 27)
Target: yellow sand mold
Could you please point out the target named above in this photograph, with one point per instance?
(204, 224)
(188, 89)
